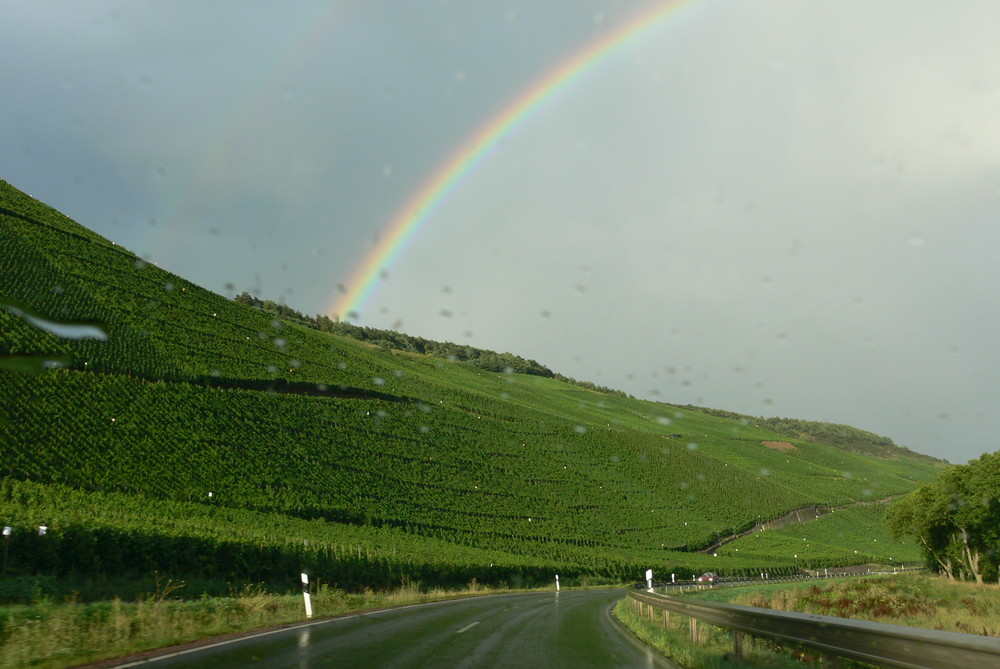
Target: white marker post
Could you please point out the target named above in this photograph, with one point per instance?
(7, 531)
(649, 580)
(557, 582)
(673, 578)
(305, 595)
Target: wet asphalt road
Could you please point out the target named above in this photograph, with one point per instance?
(568, 629)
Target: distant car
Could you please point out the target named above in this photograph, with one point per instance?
(709, 577)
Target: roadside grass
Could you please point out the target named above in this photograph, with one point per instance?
(715, 647)
(916, 600)
(50, 635)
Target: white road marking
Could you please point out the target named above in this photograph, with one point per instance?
(467, 627)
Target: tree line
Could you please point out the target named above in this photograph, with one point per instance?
(398, 341)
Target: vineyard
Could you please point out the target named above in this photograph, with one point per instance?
(202, 436)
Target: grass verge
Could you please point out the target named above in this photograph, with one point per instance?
(714, 649)
(916, 600)
(51, 635)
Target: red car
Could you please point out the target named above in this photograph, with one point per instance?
(709, 577)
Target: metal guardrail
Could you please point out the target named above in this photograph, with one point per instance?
(806, 575)
(877, 643)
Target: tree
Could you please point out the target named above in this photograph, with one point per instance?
(956, 519)
(924, 513)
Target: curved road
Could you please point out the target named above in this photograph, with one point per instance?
(568, 629)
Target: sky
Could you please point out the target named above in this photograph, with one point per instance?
(779, 208)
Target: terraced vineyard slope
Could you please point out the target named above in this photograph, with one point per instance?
(153, 425)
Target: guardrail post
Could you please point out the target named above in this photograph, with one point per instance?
(650, 613)
(738, 644)
(666, 619)
(694, 631)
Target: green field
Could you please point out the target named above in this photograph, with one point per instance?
(207, 439)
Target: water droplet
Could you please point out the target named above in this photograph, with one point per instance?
(280, 342)
(692, 446)
(663, 420)
(764, 471)
(66, 330)
(378, 381)
(580, 429)
(168, 286)
(916, 241)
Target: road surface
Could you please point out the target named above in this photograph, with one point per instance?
(568, 629)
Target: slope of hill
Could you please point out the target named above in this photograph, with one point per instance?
(194, 420)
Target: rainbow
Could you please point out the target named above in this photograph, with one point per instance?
(445, 180)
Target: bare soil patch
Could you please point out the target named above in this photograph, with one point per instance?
(782, 446)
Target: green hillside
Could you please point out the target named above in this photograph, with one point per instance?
(821, 543)
(201, 436)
